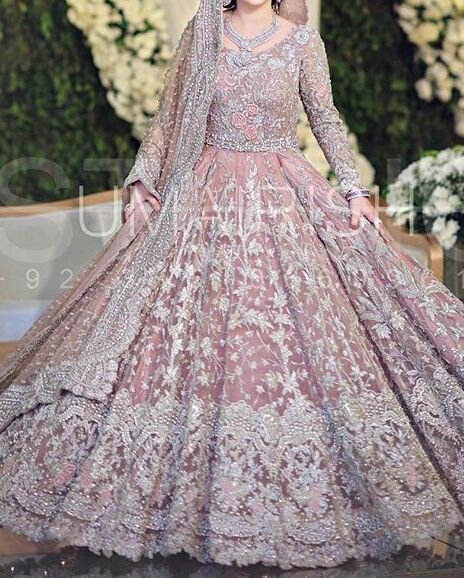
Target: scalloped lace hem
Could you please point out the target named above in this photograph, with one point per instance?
(224, 556)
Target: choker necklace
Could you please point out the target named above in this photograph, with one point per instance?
(243, 56)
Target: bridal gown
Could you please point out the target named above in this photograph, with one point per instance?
(285, 391)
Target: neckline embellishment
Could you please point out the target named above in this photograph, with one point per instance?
(269, 50)
(243, 56)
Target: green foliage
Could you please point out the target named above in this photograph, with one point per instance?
(54, 106)
(373, 74)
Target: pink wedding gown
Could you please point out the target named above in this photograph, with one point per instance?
(277, 389)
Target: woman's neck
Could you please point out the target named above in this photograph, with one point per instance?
(248, 19)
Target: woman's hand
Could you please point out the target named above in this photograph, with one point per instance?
(139, 194)
(361, 206)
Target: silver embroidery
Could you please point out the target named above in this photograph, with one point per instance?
(266, 386)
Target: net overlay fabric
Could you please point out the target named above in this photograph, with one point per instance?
(275, 387)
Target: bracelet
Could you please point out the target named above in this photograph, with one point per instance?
(355, 193)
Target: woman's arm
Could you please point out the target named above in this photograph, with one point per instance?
(140, 183)
(330, 131)
(147, 166)
(153, 163)
(324, 118)
(134, 195)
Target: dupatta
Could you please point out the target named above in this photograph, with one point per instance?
(164, 163)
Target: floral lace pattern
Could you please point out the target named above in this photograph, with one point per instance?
(247, 111)
(274, 388)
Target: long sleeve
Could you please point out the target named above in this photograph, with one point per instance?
(323, 116)
(153, 148)
(147, 166)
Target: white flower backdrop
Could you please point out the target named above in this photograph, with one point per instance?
(436, 27)
(130, 47)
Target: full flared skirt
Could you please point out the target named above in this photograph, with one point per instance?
(274, 388)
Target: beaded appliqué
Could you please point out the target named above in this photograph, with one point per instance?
(247, 111)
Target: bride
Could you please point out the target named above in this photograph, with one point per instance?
(251, 370)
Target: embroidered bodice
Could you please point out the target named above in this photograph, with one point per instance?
(255, 106)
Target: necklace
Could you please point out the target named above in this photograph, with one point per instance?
(246, 45)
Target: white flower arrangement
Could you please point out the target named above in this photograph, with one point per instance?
(436, 27)
(429, 196)
(130, 48)
(313, 153)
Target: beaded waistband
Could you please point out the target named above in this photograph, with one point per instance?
(268, 145)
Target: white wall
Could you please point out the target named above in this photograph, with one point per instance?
(40, 254)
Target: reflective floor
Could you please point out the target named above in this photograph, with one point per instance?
(80, 563)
